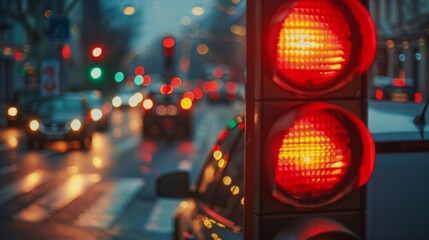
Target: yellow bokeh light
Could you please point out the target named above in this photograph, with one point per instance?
(197, 11)
(130, 10)
(227, 180)
(235, 190)
(217, 155)
(202, 49)
(221, 163)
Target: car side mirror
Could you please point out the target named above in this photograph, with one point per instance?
(173, 185)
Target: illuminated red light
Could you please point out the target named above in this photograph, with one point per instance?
(314, 156)
(176, 82)
(379, 95)
(218, 72)
(417, 97)
(139, 70)
(398, 82)
(320, 157)
(166, 89)
(211, 86)
(318, 47)
(222, 134)
(19, 55)
(66, 52)
(231, 87)
(198, 93)
(168, 42)
(147, 80)
(189, 95)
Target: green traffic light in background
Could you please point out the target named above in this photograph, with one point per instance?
(96, 73)
(138, 80)
(119, 77)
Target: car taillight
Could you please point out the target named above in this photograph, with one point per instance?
(147, 104)
(320, 155)
(317, 47)
(398, 82)
(166, 89)
(379, 95)
(417, 97)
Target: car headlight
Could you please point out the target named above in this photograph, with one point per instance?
(34, 125)
(116, 101)
(96, 114)
(75, 125)
(12, 111)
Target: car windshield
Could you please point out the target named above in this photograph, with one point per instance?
(59, 106)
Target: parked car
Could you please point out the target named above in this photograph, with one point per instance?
(60, 118)
(394, 89)
(20, 107)
(167, 114)
(216, 205)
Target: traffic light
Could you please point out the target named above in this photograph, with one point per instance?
(96, 52)
(308, 150)
(168, 45)
(96, 71)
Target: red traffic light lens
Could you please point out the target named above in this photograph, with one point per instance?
(96, 52)
(320, 155)
(168, 42)
(320, 44)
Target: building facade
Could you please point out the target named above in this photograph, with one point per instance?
(403, 30)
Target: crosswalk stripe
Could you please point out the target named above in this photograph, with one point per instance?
(109, 206)
(58, 198)
(160, 219)
(27, 184)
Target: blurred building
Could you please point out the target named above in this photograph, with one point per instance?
(403, 30)
(11, 56)
(19, 50)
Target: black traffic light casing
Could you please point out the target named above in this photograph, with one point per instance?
(169, 48)
(266, 102)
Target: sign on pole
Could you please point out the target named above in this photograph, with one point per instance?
(50, 81)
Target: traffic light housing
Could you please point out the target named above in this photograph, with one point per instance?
(308, 151)
(169, 46)
(96, 55)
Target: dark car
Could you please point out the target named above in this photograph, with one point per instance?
(217, 205)
(168, 114)
(60, 118)
(394, 89)
(20, 106)
(100, 108)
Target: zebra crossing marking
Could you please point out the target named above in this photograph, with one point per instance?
(107, 208)
(55, 200)
(24, 185)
